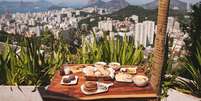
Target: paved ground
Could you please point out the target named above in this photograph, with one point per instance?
(178, 96)
(25, 93)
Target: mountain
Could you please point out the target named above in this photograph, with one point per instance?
(174, 4)
(21, 6)
(114, 5)
(134, 10)
(67, 4)
(95, 2)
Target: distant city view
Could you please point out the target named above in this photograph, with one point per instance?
(52, 43)
(116, 17)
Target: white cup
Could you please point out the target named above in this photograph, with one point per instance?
(67, 70)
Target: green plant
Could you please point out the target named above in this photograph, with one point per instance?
(169, 79)
(110, 50)
(194, 71)
(193, 29)
(168, 83)
(31, 63)
(34, 61)
(9, 72)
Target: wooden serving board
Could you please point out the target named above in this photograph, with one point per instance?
(118, 90)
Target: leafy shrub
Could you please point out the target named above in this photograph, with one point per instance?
(194, 71)
(110, 50)
(30, 64)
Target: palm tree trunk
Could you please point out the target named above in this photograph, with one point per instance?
(159, 47)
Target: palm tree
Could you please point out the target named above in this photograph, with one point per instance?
(159, 50)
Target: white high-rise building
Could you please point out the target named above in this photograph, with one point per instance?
(69, 14)
(36, 30)
(105, 25)
(173, 26)
(138, 32)
(32, 22)
(58, 19)
(77, 13)
(149, 27)
(135, 18)
(170, 24)
(73, 22)
(176, 26)
(0, 27)
(144, 33)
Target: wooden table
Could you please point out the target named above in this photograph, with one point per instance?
(118, 90)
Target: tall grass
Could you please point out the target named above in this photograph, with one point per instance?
(110, 49)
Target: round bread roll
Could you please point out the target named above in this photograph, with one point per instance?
(101, 69)
(106, 73)
(97, 73)
(89, 68)
(114, 65)
(90, 86)
(90, 73)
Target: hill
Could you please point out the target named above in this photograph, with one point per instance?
(113, 5)
(98, 3)
(174, 4)
(134, 10)
(148, 14)
(21, 6)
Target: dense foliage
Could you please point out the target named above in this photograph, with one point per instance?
(190, 66)
(194, 71)
(30, 64)
(111, 49)
(193, 28)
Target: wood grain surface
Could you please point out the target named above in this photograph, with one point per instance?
(118, 90)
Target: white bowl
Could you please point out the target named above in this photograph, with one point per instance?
(140, 80)
(97, 64)
(88, 68)
(116, 67)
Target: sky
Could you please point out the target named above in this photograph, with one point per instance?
(82, 2)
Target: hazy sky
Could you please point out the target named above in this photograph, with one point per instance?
(82, 2)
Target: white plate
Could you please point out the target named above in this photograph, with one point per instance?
(126, 81)
(126, 69)
(100, 63)
(89, 68)
(114, 63)
(84, 70)
(102, 87)
(123, 80)
(73, 82)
